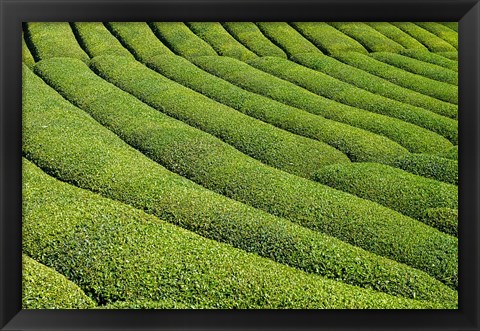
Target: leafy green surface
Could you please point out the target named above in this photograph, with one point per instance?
(431, 41)
(392, 32)
(432, 58)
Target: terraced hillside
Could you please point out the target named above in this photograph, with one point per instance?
(240, 165)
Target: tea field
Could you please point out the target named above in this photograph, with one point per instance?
(307, 165)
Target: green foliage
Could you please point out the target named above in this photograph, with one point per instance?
(430, 166)
(370, 38)
(450, 153)
(418, 67)
(432, 58)
(445, 219)
(449, 55)
(374, 84)
(441, 31)
(53, 39)
(221, 41)
(412, 137)
(27, 57)
(166, 303)
(287, 38)
(70, 145)
(327, 38)
(431, 41)
(179, 38)
(397, 35)
(118, 253)
(138, 38)
(433, 88)
(394, 188)
(357, 144)
(96, 39)
(45, 288)
(250, 35)
(329, 87)
(451, 25)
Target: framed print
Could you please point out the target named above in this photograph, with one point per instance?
(240, 165)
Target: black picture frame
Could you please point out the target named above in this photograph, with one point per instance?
(14, 12)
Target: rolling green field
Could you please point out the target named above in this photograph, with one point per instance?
(240, 165)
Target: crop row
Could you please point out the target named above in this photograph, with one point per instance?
(149, 259)
(451, 25)
(432, 58)
(444, 219)
(392, 32)
(450, 153)
(441, 31)
(449, 55)
(27, 57)
(431, 41)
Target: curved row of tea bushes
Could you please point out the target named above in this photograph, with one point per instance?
(118, 253)
(367, 81)
(433, 88)
(410, 136)
(430, 166)
(451, 25)
(418, 67)
(394, 188)
(370, 38)
(72, 146)
(332, 88)
(445, 219)
(432, 58)
(449, 55)
(287, 38)
(431, 41)
(397, 35)
(441, 31)
(220, 40)
(96, 39)
(451, 153)
(251, 37)
(138, 38)
(328, 39)
(27, 57)
(357, 144)
(166, 303)
(53, 39)
(45, 288)
(180, 39)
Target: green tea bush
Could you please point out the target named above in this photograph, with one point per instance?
(394, 188)
(221, 41)
(330, 87)
(374, 84)
(450, 153)
(70, 145)
(397, 35)
(287, 38)
(449, 55)
(370, 38)
(432, 58)
(327, 38)
(408, 135)
(96, 39)
(430, 166)
(441, 31)
(117, 253)
(179, 38)
(451, 25)
(53, 39)
(431, 41)
(357, 144)
(418, 67)
(45, 288)
(433, 88)
(138, 38)
(166, 303)
(445, 219)
(251, 37)
(27, 57)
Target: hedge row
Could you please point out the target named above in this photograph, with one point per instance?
(166, 303)
(397, 35)
(418, 67)
(409, 136)
(138, 38)
(44, 288)
(357, 144)
(118, 253)
(432, 58)
(433, 88)
(221, 41)
(441, 31)
(431, 41)
(451, 25)
(370, 38)
(96, 39)
(179, 38)
(70, 145)
(329, 87)
(450, 153)
(445, 219)
(449, 55)
(374, 84)
(251, 37)
(53, 39)
(394, 188)
(27, 57)
(430, 166)
(287, 38)
(327, 38)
